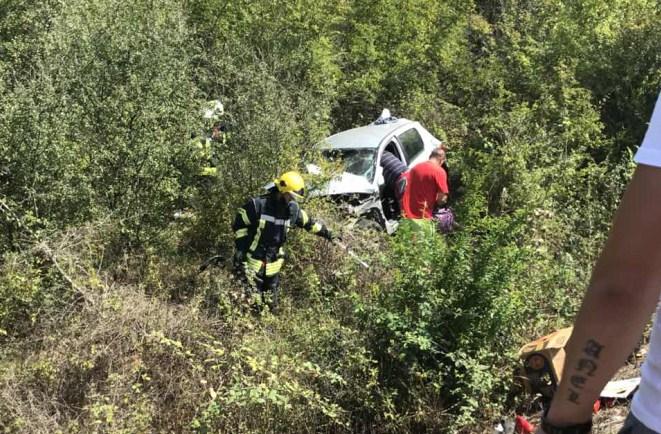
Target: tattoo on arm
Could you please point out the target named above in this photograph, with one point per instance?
(593, 348)
(587, 365)
(577, 381)
(573, 396)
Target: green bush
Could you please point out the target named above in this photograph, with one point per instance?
(443, 332)
(21, 292)
(106, 324)
(99, 122)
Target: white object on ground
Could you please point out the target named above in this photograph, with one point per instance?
(620, 389)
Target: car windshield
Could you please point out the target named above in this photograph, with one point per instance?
(356, 161)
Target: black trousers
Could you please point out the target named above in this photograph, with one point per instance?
(266, 287)
(633, 426)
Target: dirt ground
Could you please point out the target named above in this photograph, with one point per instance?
(610, 419)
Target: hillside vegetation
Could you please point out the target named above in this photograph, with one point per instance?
(107, 326)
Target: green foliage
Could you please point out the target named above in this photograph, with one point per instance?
(541, 103)
(100, 121)
(21, 294)
(446, 325)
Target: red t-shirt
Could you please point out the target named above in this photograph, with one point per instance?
(423, 184)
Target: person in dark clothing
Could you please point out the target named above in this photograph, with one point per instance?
(261, 227)
(395, 183)
(393, 168)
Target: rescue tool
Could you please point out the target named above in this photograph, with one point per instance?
(351, 253)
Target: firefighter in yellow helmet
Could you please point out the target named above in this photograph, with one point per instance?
(261, 227)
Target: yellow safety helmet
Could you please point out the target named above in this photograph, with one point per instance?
(291, 182)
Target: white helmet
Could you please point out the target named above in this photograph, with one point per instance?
(214, 110)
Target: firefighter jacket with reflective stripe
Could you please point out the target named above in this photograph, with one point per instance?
(261, 226)
(205, 152)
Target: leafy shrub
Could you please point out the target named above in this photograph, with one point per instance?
(442, 332)
(100, 121)
(20, 292)
(109, 327)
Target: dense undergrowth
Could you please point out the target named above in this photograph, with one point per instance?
(106, 325)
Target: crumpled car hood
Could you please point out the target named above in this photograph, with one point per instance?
(348, 183)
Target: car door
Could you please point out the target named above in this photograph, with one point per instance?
(413, 146)
(393, 145)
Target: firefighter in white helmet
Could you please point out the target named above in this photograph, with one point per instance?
(214, 135)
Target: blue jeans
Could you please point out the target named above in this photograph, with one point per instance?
(634, 426)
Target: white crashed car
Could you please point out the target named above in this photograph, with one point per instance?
(360, 187)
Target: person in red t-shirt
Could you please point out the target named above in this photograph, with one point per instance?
(427, 187)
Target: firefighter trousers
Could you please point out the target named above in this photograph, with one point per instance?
(262, 279)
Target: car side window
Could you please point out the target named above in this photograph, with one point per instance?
(411, 142)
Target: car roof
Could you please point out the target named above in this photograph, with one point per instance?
(369, 136)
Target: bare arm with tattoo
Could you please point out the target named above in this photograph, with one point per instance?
(623, 293)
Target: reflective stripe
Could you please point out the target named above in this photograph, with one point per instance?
(258, 235)
(305, 217)
(274, 267)
(241, 233)
(208, 171)
(244, 216)
(253, 265)
(316, 228)
(275, 221)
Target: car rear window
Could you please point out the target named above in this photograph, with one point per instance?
(411, 142)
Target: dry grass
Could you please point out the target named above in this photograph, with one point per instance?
(108, 357)
(109, 364)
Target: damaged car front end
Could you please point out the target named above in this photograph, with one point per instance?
(359, 188)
